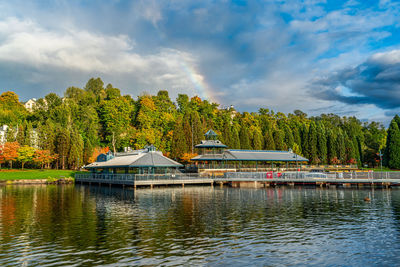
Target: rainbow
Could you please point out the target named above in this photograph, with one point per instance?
(202, 88)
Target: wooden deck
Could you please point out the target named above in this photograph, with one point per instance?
(345, 182)
(252, 179)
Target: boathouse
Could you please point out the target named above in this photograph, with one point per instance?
(143, 161)
(213, 154)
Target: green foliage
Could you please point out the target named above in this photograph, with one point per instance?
(269, 143)
(244, 138)
(88, 118)
(393, 145)
(25, 154)
(12, 112)
(279, 142)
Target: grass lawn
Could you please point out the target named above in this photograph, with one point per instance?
(16, 174)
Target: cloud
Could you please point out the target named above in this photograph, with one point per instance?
(248, 53)
(28, 45)
(376, 81)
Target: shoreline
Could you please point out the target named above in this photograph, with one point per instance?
(53, 181)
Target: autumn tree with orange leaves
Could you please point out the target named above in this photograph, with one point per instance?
(10, 152)
(96, 152)
(44, 157)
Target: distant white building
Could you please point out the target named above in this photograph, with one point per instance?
(30, 104)
(34, 136)
(34, 139)
(3, 134)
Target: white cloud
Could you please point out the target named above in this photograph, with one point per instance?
(27, 43)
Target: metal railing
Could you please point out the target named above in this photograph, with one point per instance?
(105, 176)
(260, 167)
(304, 175)
(139, 177)
(177, 176)
(235, 175)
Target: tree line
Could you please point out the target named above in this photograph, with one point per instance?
(74, 128)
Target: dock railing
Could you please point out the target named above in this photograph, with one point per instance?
(105, 177)
(174, 176)
(131, 178)
(109, 177)
(303, 175)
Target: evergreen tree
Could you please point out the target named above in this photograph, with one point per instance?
(198, 131)
(331, 146)
(244, 138)
(235, 144)
(178, 146)
(393, 146)
(340, 146)
(322, 143)
(63, 146)
(226, 133)
(279, 138)
(257, 140)
(289, 139)
(187, 133)
(304, 140)
(313, 143)
(269, 143)
(10, 135)
(21, 133)
(350, 150)
(75, 155)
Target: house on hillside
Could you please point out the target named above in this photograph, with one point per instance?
(30, 104)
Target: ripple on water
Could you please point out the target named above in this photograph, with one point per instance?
(75, 226)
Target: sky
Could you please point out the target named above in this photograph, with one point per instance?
(339, 57)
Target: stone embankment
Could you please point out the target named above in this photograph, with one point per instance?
(38, 181)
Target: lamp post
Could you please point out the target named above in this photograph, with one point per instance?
(295, 156)
(380, 159)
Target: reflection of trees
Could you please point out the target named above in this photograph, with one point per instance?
(110, 224)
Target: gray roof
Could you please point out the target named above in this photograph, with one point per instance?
(252, 155)
(139, 159)
(211, 144)
(211, 133)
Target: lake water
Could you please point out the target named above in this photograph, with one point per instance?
(82, 225)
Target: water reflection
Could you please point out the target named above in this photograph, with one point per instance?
(75, 225)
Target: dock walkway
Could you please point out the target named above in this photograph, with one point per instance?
(243, 179)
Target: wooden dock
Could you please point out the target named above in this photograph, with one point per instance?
(255, 180)
(143, 180)
(322, 182)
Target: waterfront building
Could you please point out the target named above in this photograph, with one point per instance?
(213, 154)
(143, 161)
(3, 134)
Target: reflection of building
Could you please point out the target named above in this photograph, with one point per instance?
(30, 104)
(3, 134)
(143, 161)
(215, 155)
